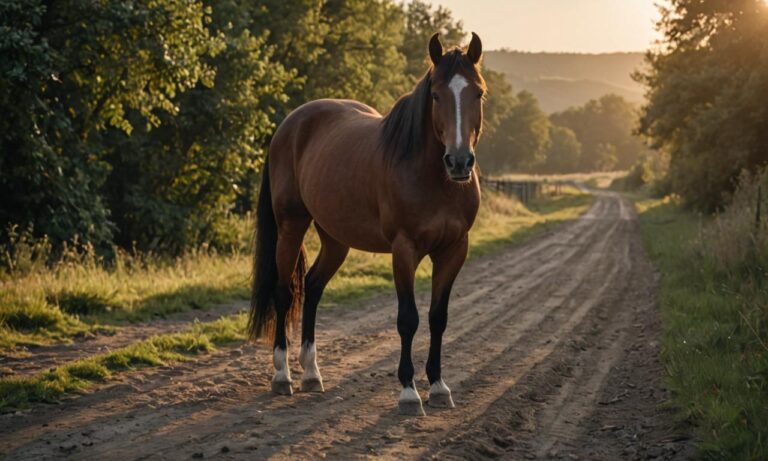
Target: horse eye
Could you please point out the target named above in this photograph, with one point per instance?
(434, 97)
(480, 94)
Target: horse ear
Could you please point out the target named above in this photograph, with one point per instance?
(475, 49)
(435, 49)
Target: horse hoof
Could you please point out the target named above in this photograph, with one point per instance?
(312, 385)
(411, 408)
(410, 403)
(440, 401)
(282, 387)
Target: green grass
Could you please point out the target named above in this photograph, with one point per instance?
(714, 335)
(19, 391)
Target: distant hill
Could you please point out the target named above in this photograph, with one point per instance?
(562, 80)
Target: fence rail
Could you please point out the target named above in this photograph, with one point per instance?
(525, 190)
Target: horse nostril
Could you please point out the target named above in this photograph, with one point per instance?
(450, 160)
(471, 161)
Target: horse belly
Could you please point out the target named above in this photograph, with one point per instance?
(342, 201)
(356, 235)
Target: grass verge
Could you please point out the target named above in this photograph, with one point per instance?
(715, 335)
(19, 391)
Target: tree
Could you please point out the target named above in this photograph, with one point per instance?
(526, 133)
(175, 185)
(70, 70)
(707, 87)
(421, 21)
(564, 154)
(296, 30)
(360, 58)
(605, 129)
(500, 99)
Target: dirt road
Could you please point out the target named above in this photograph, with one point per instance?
(551, 353)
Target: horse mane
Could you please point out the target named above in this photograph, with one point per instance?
(403, 130)
(404, 127)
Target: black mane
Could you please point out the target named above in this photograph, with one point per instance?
(405, 126)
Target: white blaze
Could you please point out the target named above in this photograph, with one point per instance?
(457, 84)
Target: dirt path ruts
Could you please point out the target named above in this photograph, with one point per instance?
(551, 352)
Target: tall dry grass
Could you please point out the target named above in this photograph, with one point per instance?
(736, 239)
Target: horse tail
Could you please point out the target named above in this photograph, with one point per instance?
(293, 317)
(261, 321)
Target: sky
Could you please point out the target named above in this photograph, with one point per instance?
(582, 26)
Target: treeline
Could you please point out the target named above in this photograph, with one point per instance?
(519, 136)
(707, 93)
(145, 122)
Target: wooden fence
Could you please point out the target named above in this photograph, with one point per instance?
(525, 190)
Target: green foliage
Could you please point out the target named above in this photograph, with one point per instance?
(70, 71)
(174, 186)
(604, 127)
(421, 21)
(647, 170)
(361, 58)
(519, 136)
(526, 132)
(517, 130)
(707, 89)
(564, 153)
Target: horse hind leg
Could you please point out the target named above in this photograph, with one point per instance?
(290, 270)
(332, 255)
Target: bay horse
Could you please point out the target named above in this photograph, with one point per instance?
(404, 184)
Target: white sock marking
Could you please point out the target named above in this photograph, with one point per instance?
(409, 394)
(457, 84)
(282, 372)
(308, 360)
(439, 387)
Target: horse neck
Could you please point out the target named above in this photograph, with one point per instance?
(429, 162)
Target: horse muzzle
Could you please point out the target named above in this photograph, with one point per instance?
(459, 164)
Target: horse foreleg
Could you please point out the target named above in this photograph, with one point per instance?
(446, 264)
(404, 262)
(330, 258)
